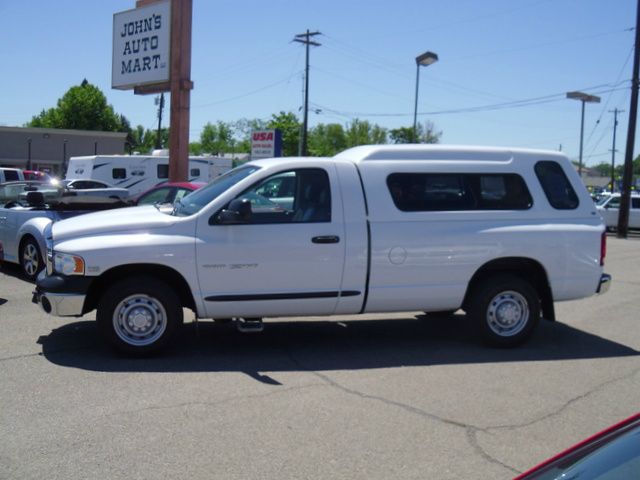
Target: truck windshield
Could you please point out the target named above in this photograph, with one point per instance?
(194, 202)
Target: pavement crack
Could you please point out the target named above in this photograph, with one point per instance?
(470, 430)
(564, 406)
(20, 357)
(222, 401)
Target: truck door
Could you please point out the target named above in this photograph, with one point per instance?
(286, 258)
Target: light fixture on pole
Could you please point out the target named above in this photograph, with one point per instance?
(584, 98)
(426, 59)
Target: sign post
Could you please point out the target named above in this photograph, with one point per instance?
(152, 54)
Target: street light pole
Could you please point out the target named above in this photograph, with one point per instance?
(64, 157)
(426, 59)
(613, 148)
(584, 98)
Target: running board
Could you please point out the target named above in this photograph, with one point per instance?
(249, 325)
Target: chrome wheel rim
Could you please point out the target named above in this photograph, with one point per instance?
(30, 261)
(508, 313)
(139, 320)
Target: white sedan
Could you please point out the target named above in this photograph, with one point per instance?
(94, 188)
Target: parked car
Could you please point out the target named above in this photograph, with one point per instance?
(26, 208)
(167, 192)
(611, 454)
(10, 174)
(609, 209)
(94, 188)
(37, 176)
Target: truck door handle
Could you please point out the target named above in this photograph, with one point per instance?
(326, 239)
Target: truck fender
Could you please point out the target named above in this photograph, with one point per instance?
(527, 268)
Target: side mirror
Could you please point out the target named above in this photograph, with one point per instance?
(238, 212)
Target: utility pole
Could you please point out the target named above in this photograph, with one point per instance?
(625, 198)
(160, 103)
(305, 38)
(613, 148)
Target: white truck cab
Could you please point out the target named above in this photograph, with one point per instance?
(500, 233)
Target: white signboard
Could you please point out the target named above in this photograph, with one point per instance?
(266, 144)
(141, 46)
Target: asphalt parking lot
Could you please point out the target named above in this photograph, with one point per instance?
(379, 397)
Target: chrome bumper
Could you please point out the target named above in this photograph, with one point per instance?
(605, 283)
(60, 304)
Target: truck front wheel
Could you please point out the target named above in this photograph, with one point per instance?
(506, 310)
(139, 315)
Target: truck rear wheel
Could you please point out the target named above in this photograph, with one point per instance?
(506, 310)
(139, 315)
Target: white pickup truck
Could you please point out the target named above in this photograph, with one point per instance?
(499, 233)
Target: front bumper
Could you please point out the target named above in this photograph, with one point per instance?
(605, 283)
(60, 295)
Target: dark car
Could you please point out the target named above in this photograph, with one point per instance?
(613, 454)
(167, 192)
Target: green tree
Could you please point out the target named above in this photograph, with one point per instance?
(425, 134)
(216, 138)
(361, 132)
(82, 107)
(143, 140)
(603, 169)
(327, 140)
(242, 132)
(289, 125)
(195, 148)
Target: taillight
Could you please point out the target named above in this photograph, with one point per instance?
(603, 247)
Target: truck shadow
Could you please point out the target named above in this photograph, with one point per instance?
(13, 270)
(323, 345)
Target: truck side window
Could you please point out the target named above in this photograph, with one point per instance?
(556, 185)
(429, 192)
(296, 196)
(11, 175)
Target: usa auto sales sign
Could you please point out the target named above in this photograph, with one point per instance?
(141, 46)
(266, 144)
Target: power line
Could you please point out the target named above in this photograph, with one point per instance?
(483, 108)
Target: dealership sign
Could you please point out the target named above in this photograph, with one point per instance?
(141, 46)
(266, 144)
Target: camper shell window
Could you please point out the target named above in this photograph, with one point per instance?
(429, 192)
(556, 186)
(194, 172)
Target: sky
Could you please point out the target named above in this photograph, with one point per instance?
(503, 72)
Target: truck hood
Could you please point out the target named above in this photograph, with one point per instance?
(138, 219)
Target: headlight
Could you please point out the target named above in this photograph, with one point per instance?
(68, 264)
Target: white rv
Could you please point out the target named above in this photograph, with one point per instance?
(138, 173)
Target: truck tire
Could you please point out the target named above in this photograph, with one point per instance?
(139, 316)
(505, 309)
(30, 258)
